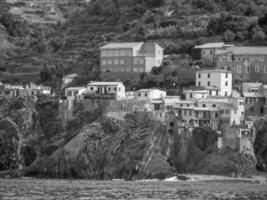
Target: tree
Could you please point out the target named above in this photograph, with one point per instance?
(229, 36)
(259, 37)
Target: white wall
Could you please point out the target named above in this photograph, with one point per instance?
(217, 79)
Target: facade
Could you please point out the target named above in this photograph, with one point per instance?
(130, 57)
(240, 138)
(34, 89)
(248, 64)
(14, 91)
(75, 93)
(108, 90)
(255, 95)
(150, 94)
(218, 82)
(196, 93)
(207, 52)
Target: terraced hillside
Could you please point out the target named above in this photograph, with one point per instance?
(73, 44)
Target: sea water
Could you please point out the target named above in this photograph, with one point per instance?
(42, 189)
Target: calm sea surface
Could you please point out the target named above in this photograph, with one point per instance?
(29, 189)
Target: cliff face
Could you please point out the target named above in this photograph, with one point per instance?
(33, 140)
(260, 145)
(20, 133)
(111, 149)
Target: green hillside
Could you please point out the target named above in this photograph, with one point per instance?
(177, 25)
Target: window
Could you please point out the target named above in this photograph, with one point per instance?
(265, 69)
(103, 62)
(257, 68)
(208, 83)
(226, 75)
(226, 83)
(188, 105)
(247, 69)
(216, 115)
(199, 84)
(145, 94)
(69, 93)
(191, 95)
(261, 58)
(239, 69)
(91, 88)
(139, 94)
(122, 62)
(115, 89)
(135, 61)
(116, 61)
(214, 105)
(208, 75)
(217, 93)
(203, 52)
(181, 105)
(122, 53)
(252, 109)
(210, 52)
(204, 105)
(108, 88)
(199, 75)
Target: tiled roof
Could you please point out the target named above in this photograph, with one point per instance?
(121, 45)
(213, 45)
(244, 51)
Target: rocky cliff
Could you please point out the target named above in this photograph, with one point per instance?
(33, 140)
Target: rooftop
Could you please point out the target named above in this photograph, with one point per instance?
(75, 88)
(71, 75)
(213, 45)
(121, 45)
(244, 50)
(253, 94)
(214, 71)
(150, 90)
(103, 83)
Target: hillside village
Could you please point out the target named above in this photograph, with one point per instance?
(226, 99)
(215, 84)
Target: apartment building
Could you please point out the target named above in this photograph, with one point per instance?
(108, 90)
(217, 82)
(130, 57)
(247, 64)
(207, 52)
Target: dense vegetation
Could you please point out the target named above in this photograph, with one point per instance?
(177, 25)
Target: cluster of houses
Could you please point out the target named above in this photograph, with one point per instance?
(31, 89)
(226, 98)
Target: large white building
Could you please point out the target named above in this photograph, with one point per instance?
(130, 57)
(218, 82)
(110, 90)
